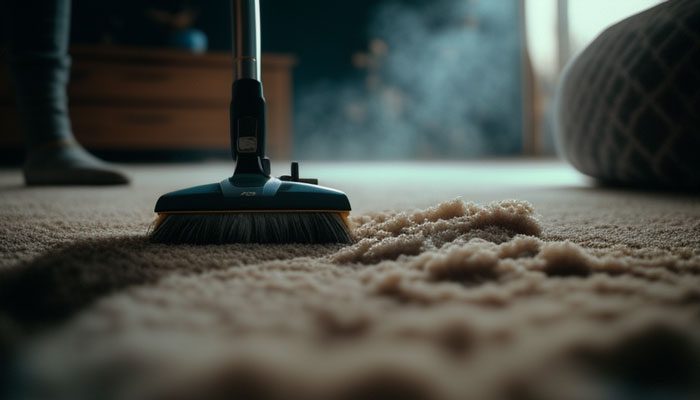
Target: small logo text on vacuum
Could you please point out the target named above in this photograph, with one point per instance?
(248, 194)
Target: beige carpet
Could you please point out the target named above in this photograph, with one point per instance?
(568, 292)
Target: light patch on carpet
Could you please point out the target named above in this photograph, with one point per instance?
(389, 235)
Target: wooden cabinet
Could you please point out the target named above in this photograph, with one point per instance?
(154, 99)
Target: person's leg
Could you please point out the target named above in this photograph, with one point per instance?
(38, 35)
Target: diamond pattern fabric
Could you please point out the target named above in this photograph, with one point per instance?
(628, 107)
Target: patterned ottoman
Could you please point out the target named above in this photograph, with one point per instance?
(628, 107)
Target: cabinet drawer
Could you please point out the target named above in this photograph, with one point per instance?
(177, 85)
(156, 128)
(143, 128)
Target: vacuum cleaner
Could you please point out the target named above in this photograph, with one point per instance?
(251, 206)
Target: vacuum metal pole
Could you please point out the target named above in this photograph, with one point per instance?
(245, 15)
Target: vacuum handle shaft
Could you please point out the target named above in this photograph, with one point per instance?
(247, 101)
(245, 15)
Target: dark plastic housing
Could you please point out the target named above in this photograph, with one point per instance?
(270, 195)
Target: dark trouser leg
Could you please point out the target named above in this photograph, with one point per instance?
(38, 34)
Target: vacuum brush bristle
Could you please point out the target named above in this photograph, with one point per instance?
(251, 227)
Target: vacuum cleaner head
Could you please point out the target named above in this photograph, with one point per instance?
(253, 208)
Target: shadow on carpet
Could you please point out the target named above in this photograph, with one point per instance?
(54, 286)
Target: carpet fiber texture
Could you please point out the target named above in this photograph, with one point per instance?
(569, 292)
